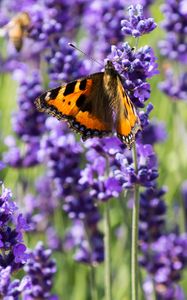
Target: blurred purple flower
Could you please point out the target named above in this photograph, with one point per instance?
(174, 86)
(11, 289)
(63, 63)
(152, 215)
(88, 242)
(28, 124)
(174, 47)
(168, 260)
(102, 20)
(154, 133)
(40, 269)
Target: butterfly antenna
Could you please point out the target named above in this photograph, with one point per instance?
(91, 58)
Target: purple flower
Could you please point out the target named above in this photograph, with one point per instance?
(40, 270)
(152, 215)
(63, 63)
(135, 67)
(19, 253)
(137, 25)
(102, 20)
(168, 260)
(28, 124)
(174, 47)
(97, 176)
(11, 289)
(147, 168)
(62, 154)
(175, 16)
(154, 133)
(51, 18)
(174, 86)
(88, 242)
(13, 251)
(53, 240)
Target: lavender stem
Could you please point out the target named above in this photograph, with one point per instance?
(108, 286)
(134, 247)
(93, 286)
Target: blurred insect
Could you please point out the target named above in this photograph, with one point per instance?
(17, 29)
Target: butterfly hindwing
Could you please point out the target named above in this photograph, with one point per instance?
(77, 103)
(127, 123)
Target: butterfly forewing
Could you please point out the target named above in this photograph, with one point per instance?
(77, 103)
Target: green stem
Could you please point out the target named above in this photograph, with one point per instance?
(93, 286)
(134, 248)
(93, 283)
(108, 286)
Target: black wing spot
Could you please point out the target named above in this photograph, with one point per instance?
(82, 85)
(70, 87)
(81, 103)
(81, 100)
(69, 103)
(63, 100)
(54, 93)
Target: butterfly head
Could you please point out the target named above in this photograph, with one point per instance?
(110, 69)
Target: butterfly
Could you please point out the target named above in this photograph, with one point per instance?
(17, 29)
(94, 106)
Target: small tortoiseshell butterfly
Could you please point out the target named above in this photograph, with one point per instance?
(94, 106)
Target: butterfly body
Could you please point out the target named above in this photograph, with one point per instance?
(94, 106)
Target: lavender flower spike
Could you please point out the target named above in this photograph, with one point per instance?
(12, 225)
(137, 25)
(40, 269)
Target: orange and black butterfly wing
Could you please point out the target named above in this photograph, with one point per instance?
(128, 122)
(81, 104)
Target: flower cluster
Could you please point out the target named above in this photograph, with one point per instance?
(152, 216)
(165, 260)
(98, 175)
(135, 66)
(62, 155)
(28, 124)
(13, 252)
(88, 242)
(12, 289)
(40, 270)
(175, 24)
(137, 25)
(174, 47)
(147, 168)
(63, 63)
(102, 21)
(12, 226)
(174, 86)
